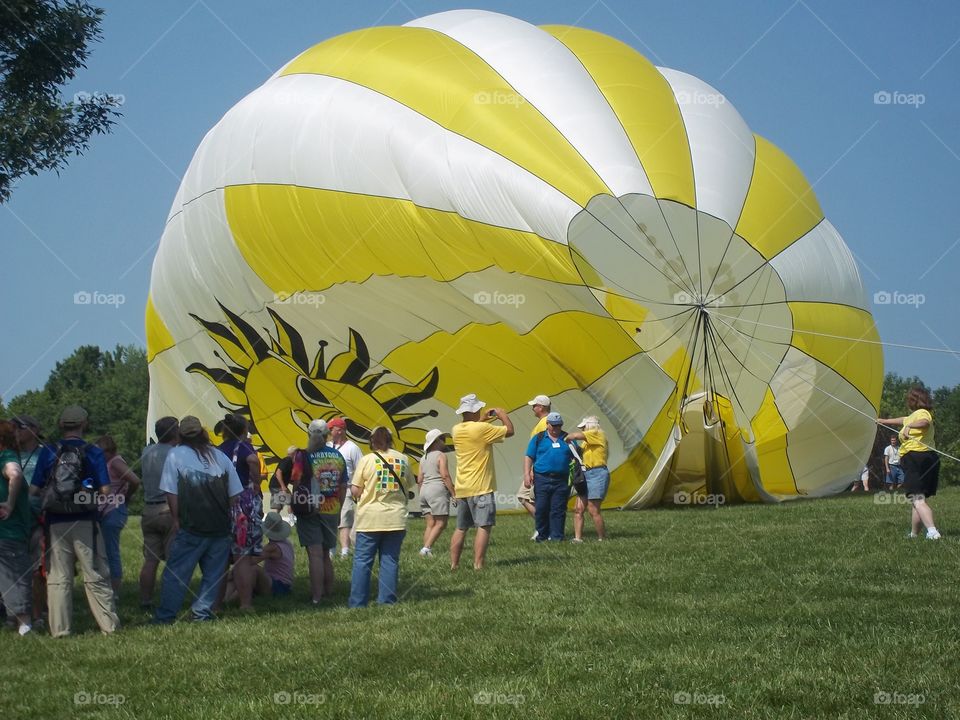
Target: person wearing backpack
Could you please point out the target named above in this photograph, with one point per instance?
(68, 479)
(317, 479)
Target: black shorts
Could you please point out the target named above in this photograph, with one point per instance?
(921, 472)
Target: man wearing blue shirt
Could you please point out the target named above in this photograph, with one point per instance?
(546, 467)
(75, 535)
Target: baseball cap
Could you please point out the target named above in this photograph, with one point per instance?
(337, 422)
(190, 426)
(432, 436)
(469, 404)
(589, 421)
(554, 418)
(317, 427)
(72, 416)
(540, 400)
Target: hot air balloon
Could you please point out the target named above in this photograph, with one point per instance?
(470, 203)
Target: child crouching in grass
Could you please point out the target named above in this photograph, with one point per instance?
(275, 576)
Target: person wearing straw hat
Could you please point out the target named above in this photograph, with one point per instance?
(436, 489)
(526, 496)
(593, 449)
(476, 481)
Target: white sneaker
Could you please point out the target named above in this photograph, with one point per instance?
(933, 535)
(344, 553)
(911, 534)
(426, 552)
(534, 536)
(24, 629)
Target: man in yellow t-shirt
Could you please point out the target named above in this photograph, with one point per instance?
(525, 495)
(476, 480)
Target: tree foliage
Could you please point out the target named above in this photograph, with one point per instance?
(43, 43)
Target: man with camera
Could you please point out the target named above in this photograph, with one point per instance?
(476, 481)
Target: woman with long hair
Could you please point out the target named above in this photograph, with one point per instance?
(918, 459)
(248, 511)
(113, 511)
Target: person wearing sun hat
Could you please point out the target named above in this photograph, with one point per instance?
(547, 465)
(275, 576)
(593, 448)
(476, 481)
(436, 489)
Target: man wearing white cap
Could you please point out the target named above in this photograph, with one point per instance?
(527, 495)
(476, 481)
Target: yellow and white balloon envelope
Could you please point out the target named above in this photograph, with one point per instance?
(470, 203)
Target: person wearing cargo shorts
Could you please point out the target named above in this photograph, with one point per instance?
(526, 496)
(476, 481)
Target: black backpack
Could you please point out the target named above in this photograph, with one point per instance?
(64, 492)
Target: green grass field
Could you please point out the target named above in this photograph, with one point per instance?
(804, 610)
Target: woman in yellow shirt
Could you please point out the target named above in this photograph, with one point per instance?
(918, 459)
(593, 449)
(380, 485)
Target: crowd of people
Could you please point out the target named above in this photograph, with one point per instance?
(63, 506)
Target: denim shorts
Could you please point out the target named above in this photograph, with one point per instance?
(598, 480)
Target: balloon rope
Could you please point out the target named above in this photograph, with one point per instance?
(834, 397)
(839, 337)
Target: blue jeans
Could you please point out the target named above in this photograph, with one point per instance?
(111, 525)
(186, 552)
(895, 476)
(550, 508)
(368, 544)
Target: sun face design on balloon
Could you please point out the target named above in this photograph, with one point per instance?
(271, 380)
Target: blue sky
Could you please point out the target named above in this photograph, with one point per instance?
(803, 73)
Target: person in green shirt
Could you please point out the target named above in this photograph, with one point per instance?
(15, 528)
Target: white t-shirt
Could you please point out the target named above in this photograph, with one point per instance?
(352, 454)
(892, 454)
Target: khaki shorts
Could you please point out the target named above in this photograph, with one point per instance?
(525, 494)
(156, 522)
(435, 500)
(348, 512)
